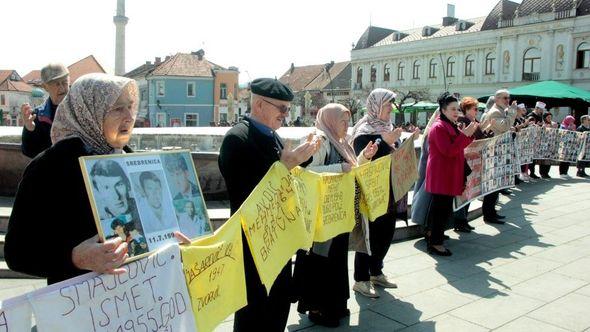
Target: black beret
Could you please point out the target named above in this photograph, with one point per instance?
(271, 88)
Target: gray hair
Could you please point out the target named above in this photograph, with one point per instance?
(491, 101)
(584, 117)
(502, 92)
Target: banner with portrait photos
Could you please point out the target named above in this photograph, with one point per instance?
(145, 197)
(492, 168)
(585, 151)
(525, 142)
(559, 145)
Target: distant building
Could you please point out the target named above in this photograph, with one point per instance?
(515, 44)
(321, 83)
(13, 93)
(185, 90)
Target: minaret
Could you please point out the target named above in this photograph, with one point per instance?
(120, 22)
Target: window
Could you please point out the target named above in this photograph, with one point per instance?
(161, 120)
(143, 95)
(490, 58)
(359, 75)
(223, 91)
(2, 100)
(432, 70)
(583, 56)
(531, 65)
(190, 89)
(416, 70)
(400, 71)
(469, 65)
(191, 120)
(373, 73)
(160, 89)
(451, 67)
(386, 72)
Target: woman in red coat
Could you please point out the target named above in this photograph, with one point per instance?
(445, 169)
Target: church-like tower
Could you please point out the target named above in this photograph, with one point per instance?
(120, 21)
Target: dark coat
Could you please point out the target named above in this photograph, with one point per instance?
(51, 214)
(245, 156)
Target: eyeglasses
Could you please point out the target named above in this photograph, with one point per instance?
(282, 108)
(506, 97)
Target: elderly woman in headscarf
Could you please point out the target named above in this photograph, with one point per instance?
(53, 235)
(324, 269)
(376, 126)
(569, 123)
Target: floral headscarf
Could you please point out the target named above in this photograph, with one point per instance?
(83, 110)
(370, 124)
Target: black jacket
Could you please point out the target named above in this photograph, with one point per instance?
(245, 156)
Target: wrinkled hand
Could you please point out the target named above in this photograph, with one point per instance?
(392, 136)
(104, 257)
(291, 158)
(26, 113)
(370, 150)
(469, 130)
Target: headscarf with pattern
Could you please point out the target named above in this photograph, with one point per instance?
(83, 110)
(370, 124)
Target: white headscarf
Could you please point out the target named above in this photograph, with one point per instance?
(370, 124)
(83, 110)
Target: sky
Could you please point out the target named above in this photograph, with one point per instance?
(260, 37)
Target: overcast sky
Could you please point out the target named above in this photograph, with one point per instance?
(261, 37)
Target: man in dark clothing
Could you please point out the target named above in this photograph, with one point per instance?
(536, 117)
(248, 151)
(37, 123)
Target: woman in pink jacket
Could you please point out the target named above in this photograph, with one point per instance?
(445, 169)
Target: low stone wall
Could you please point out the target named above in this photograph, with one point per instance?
(13, 163)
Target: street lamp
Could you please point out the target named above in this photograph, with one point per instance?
(327, 68)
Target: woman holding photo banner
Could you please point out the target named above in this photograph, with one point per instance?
(445, 169)
(95, 118)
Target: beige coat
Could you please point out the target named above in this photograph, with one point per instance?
(504, 119)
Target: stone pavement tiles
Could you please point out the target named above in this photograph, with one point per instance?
(531, 274)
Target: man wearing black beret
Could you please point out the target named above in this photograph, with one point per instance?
(248, 151)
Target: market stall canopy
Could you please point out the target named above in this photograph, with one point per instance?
(552, 93)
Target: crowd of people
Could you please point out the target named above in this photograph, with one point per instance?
(96, 117)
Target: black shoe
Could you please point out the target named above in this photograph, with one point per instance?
(343, 313)
(533, 176)
(463, 228)
(582, 174)
(323, 319)
(493, 221)
(506, 192)
(433, 251)
(499, 216)
(470, 227)
(446, 237)
(545, 176)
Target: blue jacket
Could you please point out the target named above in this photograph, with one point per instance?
(38, 140)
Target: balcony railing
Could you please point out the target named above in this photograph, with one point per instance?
(530, 76)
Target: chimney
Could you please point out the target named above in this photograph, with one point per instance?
(158, 61)
(148, 63)
(167, 58)
(450, 18)
(200, 54)
(292, 68)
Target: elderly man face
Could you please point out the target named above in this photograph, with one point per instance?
(503, 100)
(57, 89)
(270, 112)
(586, 122)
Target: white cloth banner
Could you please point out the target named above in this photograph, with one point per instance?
(15, 315)
(151, 296)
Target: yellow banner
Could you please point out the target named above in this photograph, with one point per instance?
(273, 223)
(405, 169)
(307, 189)
(373, 178)
(214, 272)
(336, 206)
